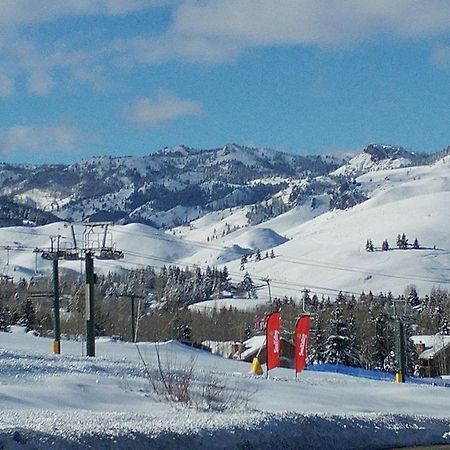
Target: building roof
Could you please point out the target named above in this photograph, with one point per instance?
(433, 344)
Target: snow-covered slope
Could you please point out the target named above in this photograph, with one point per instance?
(69, 401)
(379, 157)
(314, 248)
(327, 252)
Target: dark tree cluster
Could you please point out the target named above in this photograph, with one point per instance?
(402, 244)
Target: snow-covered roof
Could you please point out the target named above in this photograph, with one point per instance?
(253, 345)
(433, 344)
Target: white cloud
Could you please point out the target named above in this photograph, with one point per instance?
(18, 12)
(169, 47)
(322, 22)
(40, 138)
(206, 31)
(6, 85)
(161, 110)
(39, 82)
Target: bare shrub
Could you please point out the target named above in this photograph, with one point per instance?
(179, 383)
(216, 395)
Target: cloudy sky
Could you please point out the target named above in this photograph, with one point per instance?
(118, 77)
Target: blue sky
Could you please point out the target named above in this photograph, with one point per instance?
(80, 78)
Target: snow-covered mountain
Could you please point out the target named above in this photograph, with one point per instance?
(315, 247)
(163, 189)
(381, 157)
(179, 184)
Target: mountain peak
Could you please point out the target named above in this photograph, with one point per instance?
(380, 152)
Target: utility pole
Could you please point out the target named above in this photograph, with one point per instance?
(400, 346)
(56, 347)
(400, 351)
(54, 255)
(267, 280)
(102, 252)
(90, 316)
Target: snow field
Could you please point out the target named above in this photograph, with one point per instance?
(70, 401)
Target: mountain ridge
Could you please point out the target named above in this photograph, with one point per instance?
(178, 184)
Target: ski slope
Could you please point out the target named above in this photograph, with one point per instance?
(71, 401)
(321, 250)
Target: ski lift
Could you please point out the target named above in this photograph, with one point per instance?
(49, 256)
(71, 255)
(108, 253)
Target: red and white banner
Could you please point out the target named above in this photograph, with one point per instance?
(301, 342)
(273, 340)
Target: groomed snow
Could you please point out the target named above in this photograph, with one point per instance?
(70, 401)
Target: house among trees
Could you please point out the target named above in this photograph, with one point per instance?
(433, 354)
(256, 345)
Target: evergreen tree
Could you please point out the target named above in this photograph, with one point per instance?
(380, 342)
(272, 254)
(248, 286)
(258, 255)
(413, 297)
(306, 299)
(445, 328)
(404, 242)
(27, 314)
(385, 245)
(3, 319)
(411, 353)
(340, 345)
(316, 351)
(416, 244)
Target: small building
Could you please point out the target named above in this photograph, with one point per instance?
(433, 354)
(257, 346)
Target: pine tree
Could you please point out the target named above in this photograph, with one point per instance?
(385, 245)
(3, 319)
(316, 352)
(27, 314)
(258, 255)
(340, 345)
(248, 286)
(380, 342)
(413, 297)
(404, 242)
(444, 328)
(416, 244)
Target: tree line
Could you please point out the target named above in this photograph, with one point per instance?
(356, 331)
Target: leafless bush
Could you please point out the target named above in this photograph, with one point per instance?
(216, 395)
(179, 383)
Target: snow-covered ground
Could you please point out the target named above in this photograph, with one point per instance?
(321, 250)
(70, 401)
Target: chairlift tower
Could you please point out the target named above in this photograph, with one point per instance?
(95, 244)
(400, 340)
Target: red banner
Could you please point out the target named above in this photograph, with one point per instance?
(301, 342)
(273, 340)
